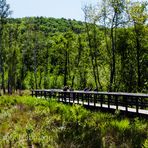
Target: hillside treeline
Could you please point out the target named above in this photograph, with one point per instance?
(108, 51)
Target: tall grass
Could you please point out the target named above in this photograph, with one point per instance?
(28, 121)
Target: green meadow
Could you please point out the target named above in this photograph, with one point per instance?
(38, 123)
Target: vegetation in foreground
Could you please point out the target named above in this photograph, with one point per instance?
(27, 121)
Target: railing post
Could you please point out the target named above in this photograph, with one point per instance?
(88, 99)
(82, 98)
(69, 96)
(32, 93)
(73, 96)
(116, 100)
(137, 104)
(95, 97)
(141, 103)
(64, 96)
(59, 94)
(85, 98)
(108, 100)
(36, 94)
(50, 94)
(101, 101)
(41, 93)
(126, 103)
(78, 98)
(45, 94)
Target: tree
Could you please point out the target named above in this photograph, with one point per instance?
(138, 15)
(91, 18)
(4, 13)
(13, 58)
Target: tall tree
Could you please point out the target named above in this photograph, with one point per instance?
(116, 8)
(91, 18)
(139, 16)
(4, 13)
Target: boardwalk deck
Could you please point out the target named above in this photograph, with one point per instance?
(127, 102)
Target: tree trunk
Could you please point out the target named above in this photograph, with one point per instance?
(91, 55)
(95, 57)
(46, 71)
(35, 65)
(112, 64)
(138, 59)
(2, 60)
(65, 68)
(40, 82)
(3, 80)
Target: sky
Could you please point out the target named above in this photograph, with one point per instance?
(69, 9)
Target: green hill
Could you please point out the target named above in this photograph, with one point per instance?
(38, 52)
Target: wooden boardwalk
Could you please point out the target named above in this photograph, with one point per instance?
(126, 102)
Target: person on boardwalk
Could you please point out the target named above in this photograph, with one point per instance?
(65, 88)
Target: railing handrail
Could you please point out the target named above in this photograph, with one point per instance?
(142, 95)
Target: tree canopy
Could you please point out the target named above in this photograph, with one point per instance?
(108, 51)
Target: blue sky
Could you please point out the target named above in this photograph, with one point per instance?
(49, 8)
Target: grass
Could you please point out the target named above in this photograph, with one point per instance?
(26, 121)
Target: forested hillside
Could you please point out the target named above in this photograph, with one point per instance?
(108, 51)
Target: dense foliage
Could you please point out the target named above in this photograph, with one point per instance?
(46, 123)
(108, 51)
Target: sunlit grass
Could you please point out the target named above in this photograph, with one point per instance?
(26, 121)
